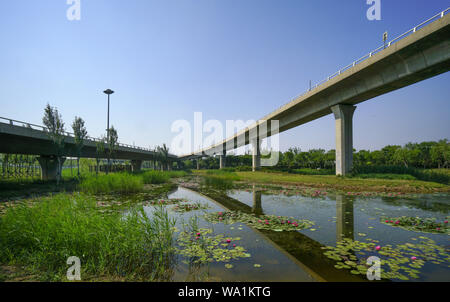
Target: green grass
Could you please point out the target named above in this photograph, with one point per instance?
(112, 183)
(434, 175)
(155, 177)
(41, 237)
(344, 183)
(385, 176)
(223, 174)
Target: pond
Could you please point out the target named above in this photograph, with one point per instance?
(334, 236)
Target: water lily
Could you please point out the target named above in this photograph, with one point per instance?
(378, 247)
(413, 258)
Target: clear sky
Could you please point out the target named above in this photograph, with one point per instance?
(230, 59)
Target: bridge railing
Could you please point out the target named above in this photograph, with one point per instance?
(370, 54)
(42, 128)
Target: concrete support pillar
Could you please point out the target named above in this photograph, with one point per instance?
(222, 161)
(256, 158)
(257, 207)
(198, 164)
(136, 165)
(344, 137)
(344, 218)
(49, 166)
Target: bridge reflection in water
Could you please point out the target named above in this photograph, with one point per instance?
(301, 249)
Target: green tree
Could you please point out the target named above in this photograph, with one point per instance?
(55, 130)
(80, 134)
(113, 140)
(99, 151)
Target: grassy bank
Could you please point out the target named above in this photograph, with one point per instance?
(41, 237)
(355, 184)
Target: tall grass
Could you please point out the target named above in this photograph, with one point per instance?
(155, 177)
(130, 247)
(214, 182)
(112, 183)
(420, 174)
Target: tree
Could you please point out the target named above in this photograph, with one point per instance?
(113, 139)
(55, 130)
(440, 154)
(80, 133)
(163, 155)
(100, 150)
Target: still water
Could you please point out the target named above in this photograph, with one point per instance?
(299, 255)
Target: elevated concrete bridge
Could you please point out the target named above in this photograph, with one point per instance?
(421, 53)
(24, 138)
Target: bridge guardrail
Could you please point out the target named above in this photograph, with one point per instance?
(370, 54)
(42, 128)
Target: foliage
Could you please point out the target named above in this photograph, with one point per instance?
(155, 177)
(80, 133)
(264, 222)
(218, 183)
(423, 155)
(417, 224)
(44, 235)
(112, 141)
(400, 262)
(55, 130)
(199, 245)
(163, 156)
(117, 183)
(187, 207)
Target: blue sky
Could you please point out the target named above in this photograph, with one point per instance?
(230, 59)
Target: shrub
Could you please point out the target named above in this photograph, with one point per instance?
(112, 183)
(155, 177)
(43, 236)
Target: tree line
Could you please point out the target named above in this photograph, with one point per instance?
(426, 155)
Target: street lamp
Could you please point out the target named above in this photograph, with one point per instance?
(108, 92)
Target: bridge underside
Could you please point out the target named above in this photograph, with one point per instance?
(422, 55)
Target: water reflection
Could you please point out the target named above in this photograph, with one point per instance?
(306, 252)
(344, 217)
(257, 207)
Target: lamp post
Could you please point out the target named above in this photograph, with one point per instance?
(108, 92)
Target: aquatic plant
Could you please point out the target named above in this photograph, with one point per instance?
(400, 262)
(200, 245)
(165, 202)
(217, 182)
(111, 183)
(417, 224)
(182, 208)
(155, 177)
(264, 222)
(41, 237)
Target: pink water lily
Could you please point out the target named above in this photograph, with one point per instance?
(378, 247)
(413, 258)
(228, 240)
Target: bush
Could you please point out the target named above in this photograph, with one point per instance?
(155, 177)
(43, 236)
(112, 183)
(420, 174)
